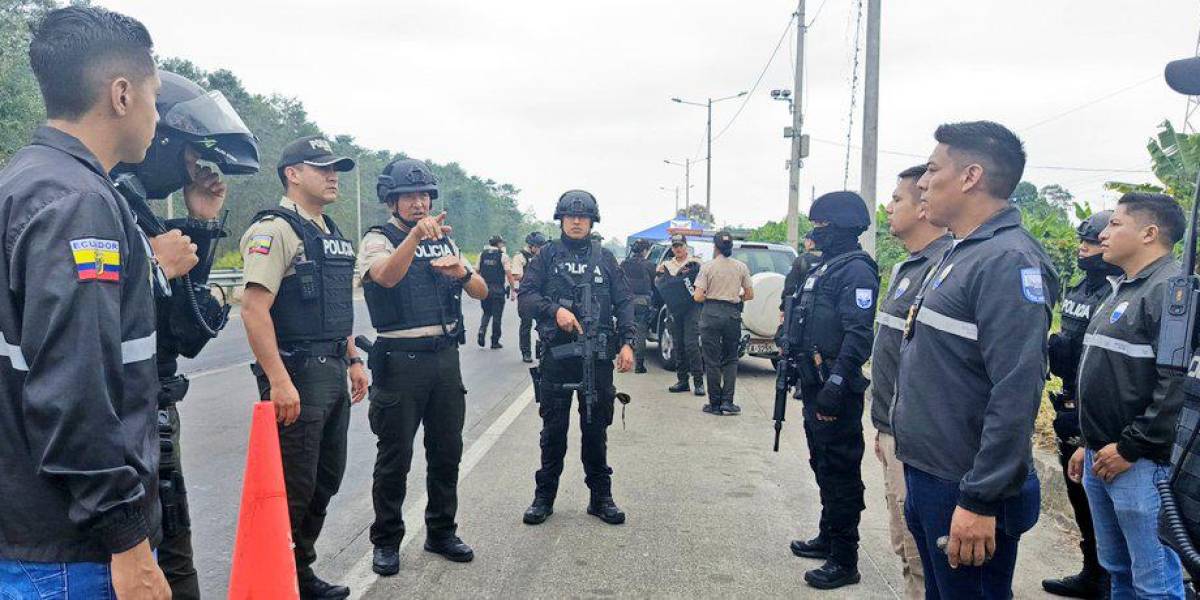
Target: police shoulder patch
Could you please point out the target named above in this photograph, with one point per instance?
(260, 244)
(864, 297)
(1031, 285)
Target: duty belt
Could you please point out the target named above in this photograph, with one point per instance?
(423, 344)
(306, 349)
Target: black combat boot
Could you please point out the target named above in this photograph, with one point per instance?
(680, 386)
(699, 387)
(314, 588)
(450, 547)
(729, 408)
(606, 510)
(640, 368)
(525, 357)
(482, 335)
(386, 561)
(814, 548)
(1091, 582)
(496, 345)
(832, 575)
(711, 409)
(538, 512)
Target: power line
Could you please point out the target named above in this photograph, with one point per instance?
(758, 81)
(1091, 102)
(1042, 167)
(817, 14)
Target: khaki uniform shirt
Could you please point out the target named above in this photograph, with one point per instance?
(374, 247)
(505, 261)
(519, 262)
(723, 278)
(270, 247)
(673, 266)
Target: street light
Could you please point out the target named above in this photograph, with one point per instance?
(708, 159)
(687, 180)
(667, 189)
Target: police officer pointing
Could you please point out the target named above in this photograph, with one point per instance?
(832, 323)
(1065, 351)
(194, 125)
(298, 311)
(413, 279)
(553, 291)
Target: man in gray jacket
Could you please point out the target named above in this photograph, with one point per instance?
(1127, 405)
(908, 221)
(972, 368)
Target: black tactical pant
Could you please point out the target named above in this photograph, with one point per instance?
(1079, 505)
(419, 388)
(313, 448)
(555, 410)
(523, 335)
(641, 317)
(175, 550)
(720, 334)
(835, 450)
(493, 310)
(685, 331)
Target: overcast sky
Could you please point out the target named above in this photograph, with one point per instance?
(556, 94)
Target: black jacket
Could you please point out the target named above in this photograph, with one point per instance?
(78, 399)
(1066, 348)
(1124, 398)
(639, 272)
(971, 376)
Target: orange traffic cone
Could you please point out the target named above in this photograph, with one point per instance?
(263, 564)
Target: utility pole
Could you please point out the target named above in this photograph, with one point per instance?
(358, 200)
(708, 165)
(870, 145)
(687, 182)
(793, 212)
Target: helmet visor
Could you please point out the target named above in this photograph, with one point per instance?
(210, 114)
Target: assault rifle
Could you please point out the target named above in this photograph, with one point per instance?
(786, 371)
(592, 344)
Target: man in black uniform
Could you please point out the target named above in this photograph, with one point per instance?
(533, 244)
(832, 321)
(194, 126)
(493, 266)
(640, 275)
(413, 279)
(1065, 350)
(79, 507)
(807, 261)
(298, 311)
(552, 292)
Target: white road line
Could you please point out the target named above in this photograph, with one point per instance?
(361, 577)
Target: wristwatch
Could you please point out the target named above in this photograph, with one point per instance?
(354, 360)
(466, 278)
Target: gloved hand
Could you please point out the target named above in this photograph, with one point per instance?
(1058, 352)
(829, 400)
(1066, 419)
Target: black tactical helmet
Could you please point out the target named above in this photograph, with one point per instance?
(640, 246)
(203, 120)
(405, 175)
(841, 209)
(1089, 229)
(536, 239)
(496, 240)
(577, 203)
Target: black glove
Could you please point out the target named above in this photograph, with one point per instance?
(1066, 419)
(1059, 353)
(829, 400)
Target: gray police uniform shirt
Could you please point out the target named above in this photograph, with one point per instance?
(906, 281)
(1124, 398)
(972, 374)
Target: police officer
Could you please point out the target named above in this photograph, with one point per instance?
(552, 292)
(413, 278)
(977, 335)
(533, 244)
(908, 221)
(640, 275)
(832, 320)
(298, 311)
(1065, 350)
(723, 285)
(79, 505)
(676, 284)
(495, 269)
(807, 261)
(194, 125)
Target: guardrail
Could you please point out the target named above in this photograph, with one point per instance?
(230, 279)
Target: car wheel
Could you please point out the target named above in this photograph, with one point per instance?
(666, 343)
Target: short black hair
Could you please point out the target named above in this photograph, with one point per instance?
(1157, 209)
(916, 172)
(75, 50)
(997, 149)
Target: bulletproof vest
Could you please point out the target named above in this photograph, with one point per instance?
(1185, 461)
(491, 267)
(637, 275)
(1077, 309)
(315, 304)
(423, 297)
(567, 269)
(816, 322)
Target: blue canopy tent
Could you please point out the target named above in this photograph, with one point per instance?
(659, 233)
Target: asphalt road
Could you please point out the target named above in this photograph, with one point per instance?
(216, 418)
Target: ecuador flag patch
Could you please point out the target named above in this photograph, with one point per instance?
(97, 259)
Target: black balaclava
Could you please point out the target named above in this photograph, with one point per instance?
(1094, 267)
(833, 241)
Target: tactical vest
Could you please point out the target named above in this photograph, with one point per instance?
(1185, 463)
(491, 267)
(566, 271)
(817, 324)
(637, 275)
(423, 298)
(316, 303)
(1077, 311)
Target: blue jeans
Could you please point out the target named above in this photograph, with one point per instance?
(21, 580)
(928, 510)
(1125, 513)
